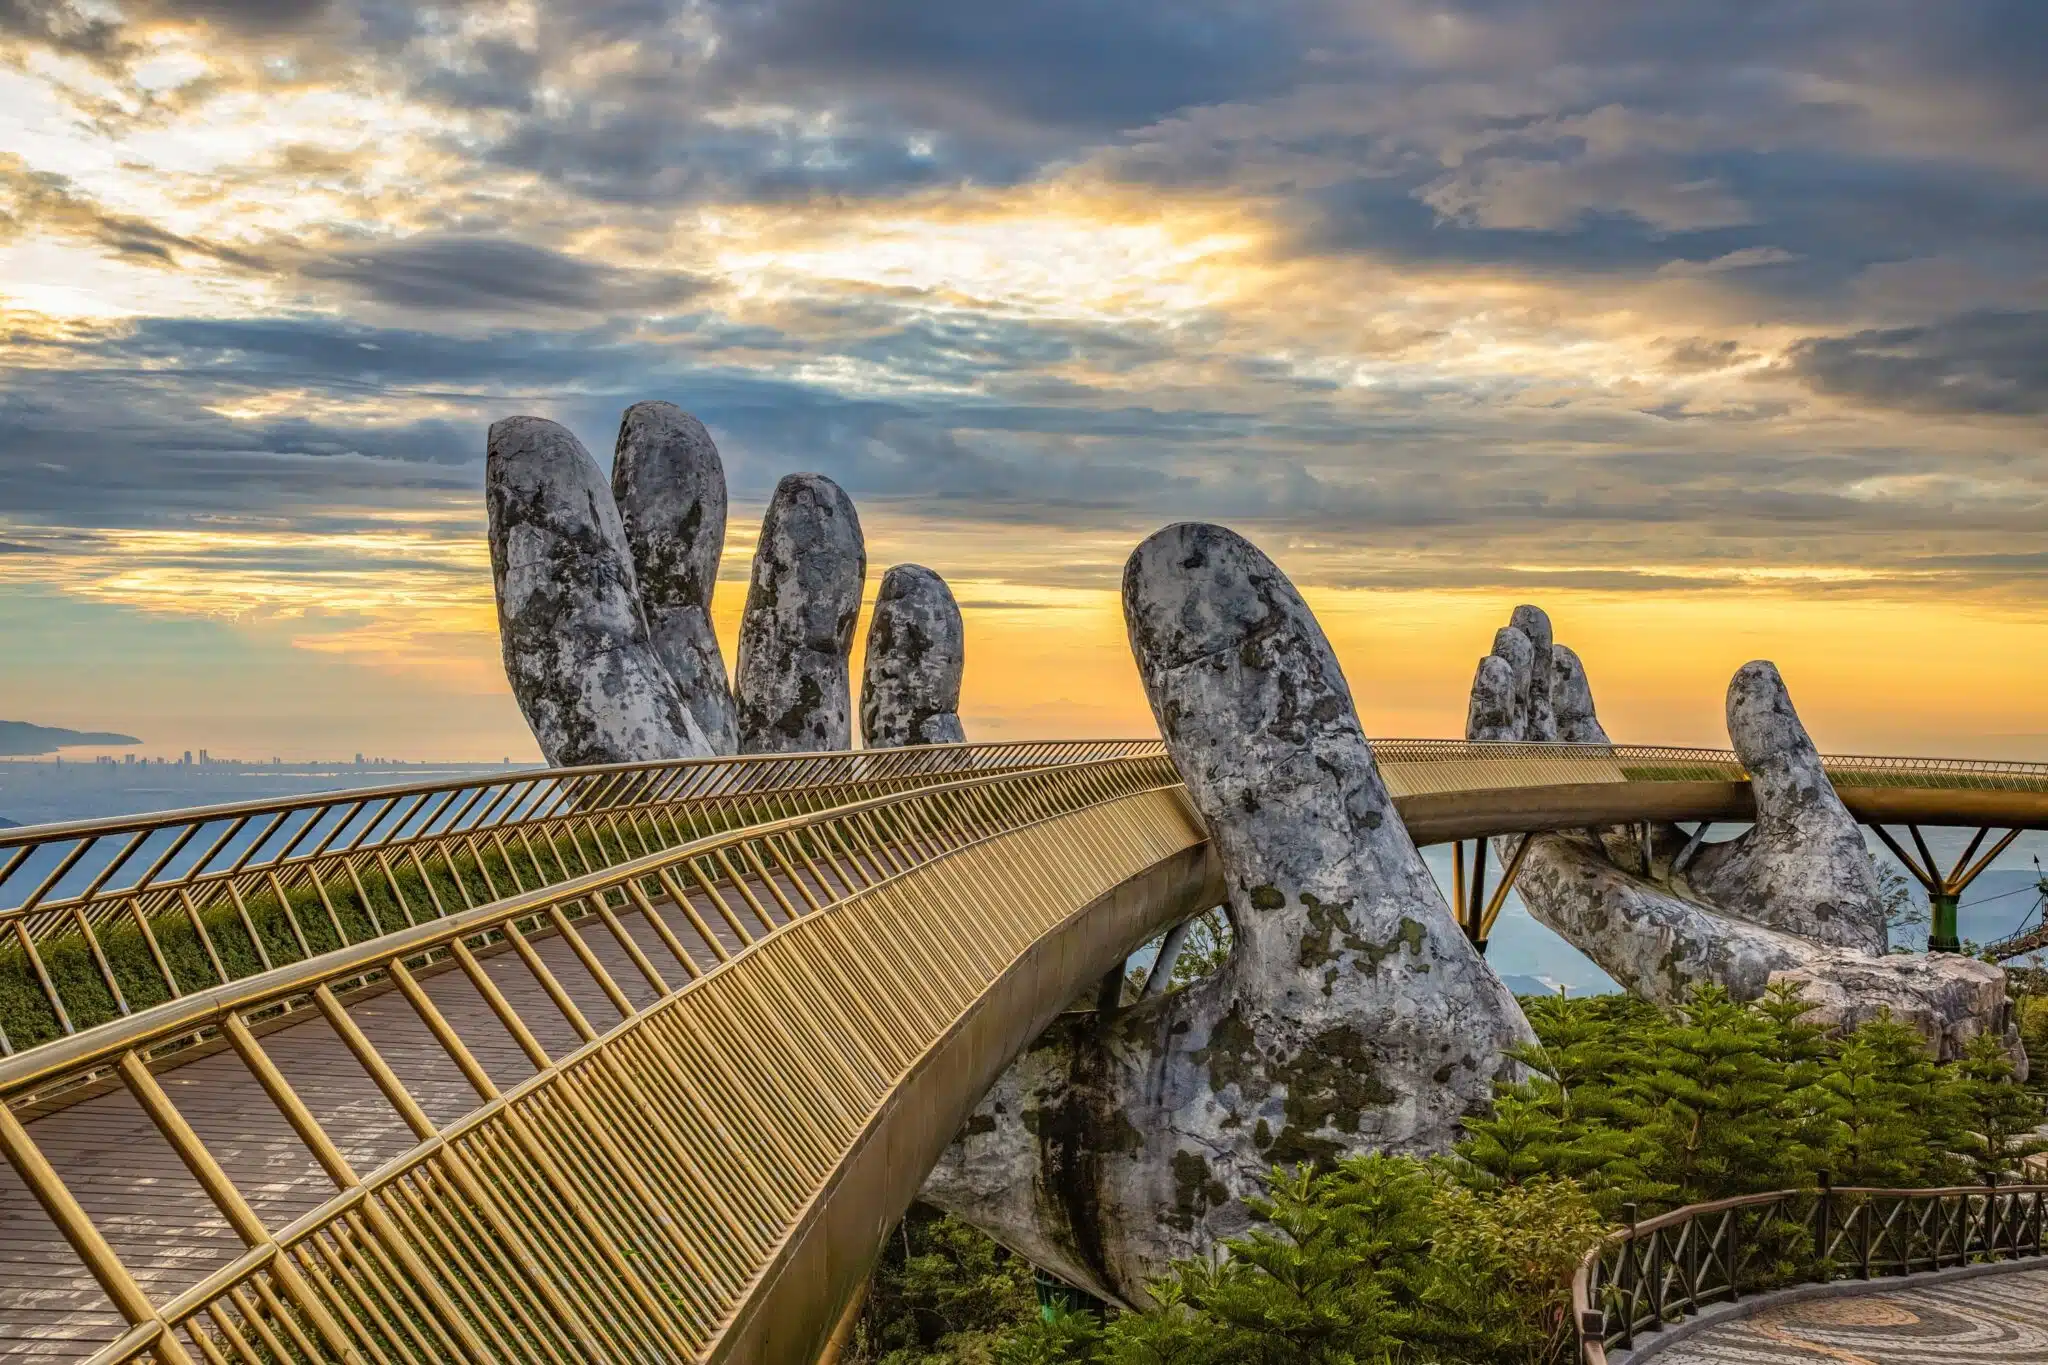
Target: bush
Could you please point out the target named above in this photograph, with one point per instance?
(1381, 1258)
(942, 1294)
(1719, 1098)
(1468, 1258)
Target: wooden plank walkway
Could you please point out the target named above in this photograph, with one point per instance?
(162, 1225)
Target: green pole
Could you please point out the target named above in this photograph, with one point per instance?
(1943, 939)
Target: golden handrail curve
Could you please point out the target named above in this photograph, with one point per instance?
(663, 1109)
(766, 990)
(194, 898)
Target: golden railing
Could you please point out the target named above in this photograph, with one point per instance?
(1409, 764)
(100, 918)
(742, 1006)
(740, 961)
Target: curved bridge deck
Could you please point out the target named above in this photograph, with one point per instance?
(666, 1108)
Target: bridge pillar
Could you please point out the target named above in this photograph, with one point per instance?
(1944, 889)
(1942, 935)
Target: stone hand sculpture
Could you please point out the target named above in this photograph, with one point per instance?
(670, 490)
(792, 685)
(1352, 1014)
(917, 648)
(575, 641)
(1794, 898)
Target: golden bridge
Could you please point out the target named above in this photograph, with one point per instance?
(636, 1063)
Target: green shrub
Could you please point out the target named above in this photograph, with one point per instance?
(942, 1293)
(1468, 1258)
(1380, 1258)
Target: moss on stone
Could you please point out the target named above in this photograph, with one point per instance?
(1195, 1190)
(1231, 1054)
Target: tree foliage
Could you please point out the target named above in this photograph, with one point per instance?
(1464, 1259)
(943, 1294)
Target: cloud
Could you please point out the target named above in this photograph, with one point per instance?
(1075, 64)
(57, 25)
(482, 274)
(1697, 354)
(41, 201)
(1748, 258)
(1459, 289)
(1977, 363)
(1550, 196)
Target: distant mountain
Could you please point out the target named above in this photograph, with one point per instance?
(19, 737)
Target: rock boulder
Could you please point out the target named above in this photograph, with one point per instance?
(917, 650)
(792, 686)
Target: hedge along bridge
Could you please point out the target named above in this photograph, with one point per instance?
(659, 1099)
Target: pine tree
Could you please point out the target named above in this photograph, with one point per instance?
(1715, 1098)
(1894, 1120)
(1999, 1115)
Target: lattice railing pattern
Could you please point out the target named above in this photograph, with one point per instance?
(627, 1085)
(101, 918)
(1664, 1269)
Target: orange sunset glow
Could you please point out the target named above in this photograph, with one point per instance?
(1716, 352)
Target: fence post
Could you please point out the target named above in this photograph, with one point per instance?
(1824, 1214)
(1659, 1253)
(1991, 1219)
(1628, 1269)
(1734, 1254)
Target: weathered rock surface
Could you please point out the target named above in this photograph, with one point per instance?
(1572, 699)
(1540, 722)
(1518, 652)
(917, 650)
(792, 685)
(1794, 898)
(1352, 1014)
(1491, 717)
(575, 643)
(670, 489)
(1803, 866)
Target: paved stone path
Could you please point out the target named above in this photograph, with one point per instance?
(1995, 1319)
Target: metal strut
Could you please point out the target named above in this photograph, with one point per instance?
(1475, 908)
(1945, 889)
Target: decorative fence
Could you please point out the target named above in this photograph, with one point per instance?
(100, 918)
(1664, 1269)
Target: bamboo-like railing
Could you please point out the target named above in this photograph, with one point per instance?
(99, 918)
(742, 1006)
(1662, 1270)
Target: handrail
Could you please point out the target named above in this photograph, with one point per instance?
(408, 1256)
(1651, 1273)
(101, 917)
(111, 916)
(1855, 769)
(174, 1021)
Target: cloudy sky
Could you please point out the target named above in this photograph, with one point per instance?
(1719, 329)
